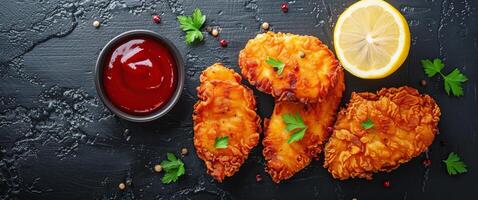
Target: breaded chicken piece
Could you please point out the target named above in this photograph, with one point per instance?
(404, 125)
(284, 159)
(309, 71)
(225, 108)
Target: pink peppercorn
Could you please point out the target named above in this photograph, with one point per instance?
(258, 178)
(223, 43)
(386, 184)
(156, 19)
(284, 7)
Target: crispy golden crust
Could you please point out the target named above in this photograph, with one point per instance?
(306, 79)
(225, 108)
(283, 159)
(405, 124)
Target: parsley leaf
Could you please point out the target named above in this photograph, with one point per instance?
(191, 25)
(454, 165)
(198, 18)
(453, 80)
(168, 178)
(297, 136)
(431, 68)
(295, 124)
(276, 64)
(186, 23)
(173, 167)
(191, 36)
(367, 124)
(221, 142)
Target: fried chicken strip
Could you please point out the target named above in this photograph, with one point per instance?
(225, 108)
(284, 159)
(309, 72)
(404, 125)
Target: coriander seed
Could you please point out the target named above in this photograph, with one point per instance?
(158, 168)
(265, 26)
(121, 186)
(301, 54)
(423, 82)
(184, 151)
(96, 24)
(214, 32)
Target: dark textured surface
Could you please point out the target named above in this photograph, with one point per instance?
(57, 140)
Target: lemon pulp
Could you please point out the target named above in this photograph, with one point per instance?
(371, 39)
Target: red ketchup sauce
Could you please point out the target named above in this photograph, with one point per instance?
(140, 75)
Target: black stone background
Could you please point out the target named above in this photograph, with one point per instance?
(57, 140)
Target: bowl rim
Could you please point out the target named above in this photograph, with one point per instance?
(179, 67)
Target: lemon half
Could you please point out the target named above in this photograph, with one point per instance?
(371, 39)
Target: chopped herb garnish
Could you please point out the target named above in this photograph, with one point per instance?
(173, 167)
(367, 124)
(296, 125)
(454, 165)
(453, 80)
(276, 64)
(221, 142)
(192, 25)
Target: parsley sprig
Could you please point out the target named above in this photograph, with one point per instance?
(296, 125)
(453, 80)
(192, 25)
(367, 124)
(276, 64)
(173, 167)
(221, 142)
(454, 165)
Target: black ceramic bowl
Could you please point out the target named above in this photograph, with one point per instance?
(100, 63)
